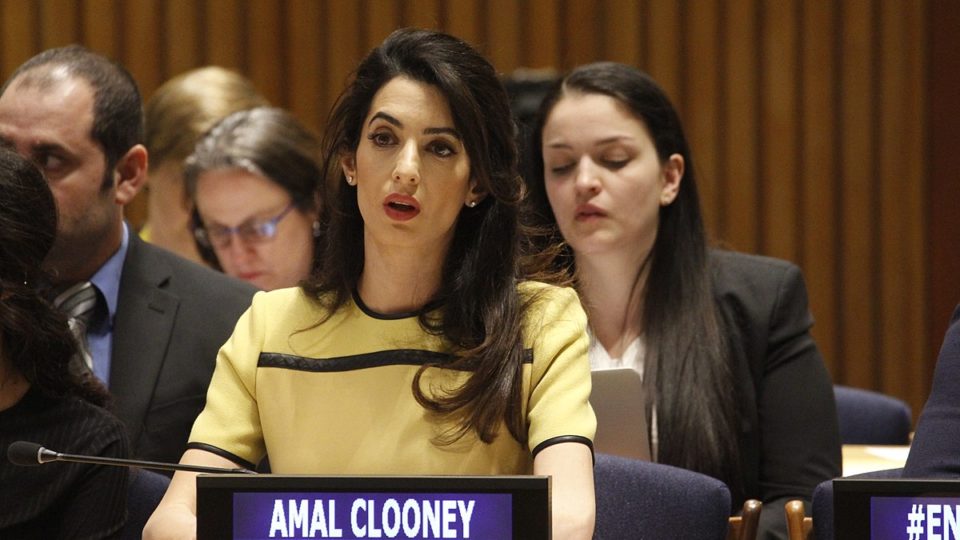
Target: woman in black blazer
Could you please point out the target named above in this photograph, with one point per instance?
(721, 338)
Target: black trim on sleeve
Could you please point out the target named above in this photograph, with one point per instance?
(563, 439)
(222, 453)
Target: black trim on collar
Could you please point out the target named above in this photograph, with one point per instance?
(222, 453)
(391, 316)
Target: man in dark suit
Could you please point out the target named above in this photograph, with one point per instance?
(156, 320)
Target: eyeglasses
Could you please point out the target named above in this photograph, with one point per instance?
(252, 231)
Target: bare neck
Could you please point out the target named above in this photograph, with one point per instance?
(399, 280)
(612, 294)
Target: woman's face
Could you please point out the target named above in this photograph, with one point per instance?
(603, 177)
(237, 209)
(411, 169)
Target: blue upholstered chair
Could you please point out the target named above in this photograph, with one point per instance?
(868, 417)
(644, 500)
(144, 491)
(823, 502)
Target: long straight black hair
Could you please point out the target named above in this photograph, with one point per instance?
(688, 360)
(482, 310)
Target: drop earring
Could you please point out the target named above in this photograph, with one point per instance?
(316, 229)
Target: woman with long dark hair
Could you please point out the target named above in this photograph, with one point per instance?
(46, 395)
(736, 386)
(418, 332)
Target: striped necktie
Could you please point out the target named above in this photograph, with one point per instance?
(79, 303)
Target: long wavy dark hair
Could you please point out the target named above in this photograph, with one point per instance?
(482, 309)
(688, 359)
(35, 335)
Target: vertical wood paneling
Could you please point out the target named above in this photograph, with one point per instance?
(857, 188)
(304, 55)
(739, 216)
(581, 33)
(100, 20)
(504, 34)
(901, 224)
(664, 46)
(808, 120)
(778, 127)
(265, 28)
(342, 45)
(464, 19)
(421, 13)
(58, 23)
(542, 46)
(819, 173)
(702, 104)
(17, 20)
(388, 18)
(182, 50)
(224, 38)
(621, 33)
(141, 43)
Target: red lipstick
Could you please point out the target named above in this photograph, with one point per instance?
(401, 207)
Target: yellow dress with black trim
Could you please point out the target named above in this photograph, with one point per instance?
(336, 398)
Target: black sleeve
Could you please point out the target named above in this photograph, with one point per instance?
(800, 440)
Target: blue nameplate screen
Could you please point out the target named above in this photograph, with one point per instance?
(914, 518)
(896, 508)
(260, 507)
(371, 515)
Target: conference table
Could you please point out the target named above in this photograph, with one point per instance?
(861, 458)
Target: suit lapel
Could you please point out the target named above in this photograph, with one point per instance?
(142, 329)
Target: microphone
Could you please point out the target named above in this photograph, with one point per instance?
(32, 454)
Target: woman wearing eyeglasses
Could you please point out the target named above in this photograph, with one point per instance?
(253, 180)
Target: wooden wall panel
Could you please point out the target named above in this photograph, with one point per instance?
(812, 123)
(225, 39)
(702, 77)
(58, 23)
(739, 217)
(819, 171)
(858, 205)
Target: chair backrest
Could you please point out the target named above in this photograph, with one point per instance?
(868, 417)
(641, 499)
(144, 491)
(823, 502)
(744, 526)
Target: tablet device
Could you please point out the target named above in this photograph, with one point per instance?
(618, 401)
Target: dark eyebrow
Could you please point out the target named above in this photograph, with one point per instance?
(443, 130)
(429, 131)
(387, 117)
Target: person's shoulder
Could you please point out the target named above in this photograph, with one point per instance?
(743, 273)
(188, 275)
(547, 302)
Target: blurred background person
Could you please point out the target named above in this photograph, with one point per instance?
(47, 396)
(253, 181)
(736, 386)
(177, 114)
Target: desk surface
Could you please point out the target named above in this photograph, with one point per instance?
(860, 458)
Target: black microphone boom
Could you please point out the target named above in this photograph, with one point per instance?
(30, 454)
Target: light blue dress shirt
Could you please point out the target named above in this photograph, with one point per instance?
(107, 281)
